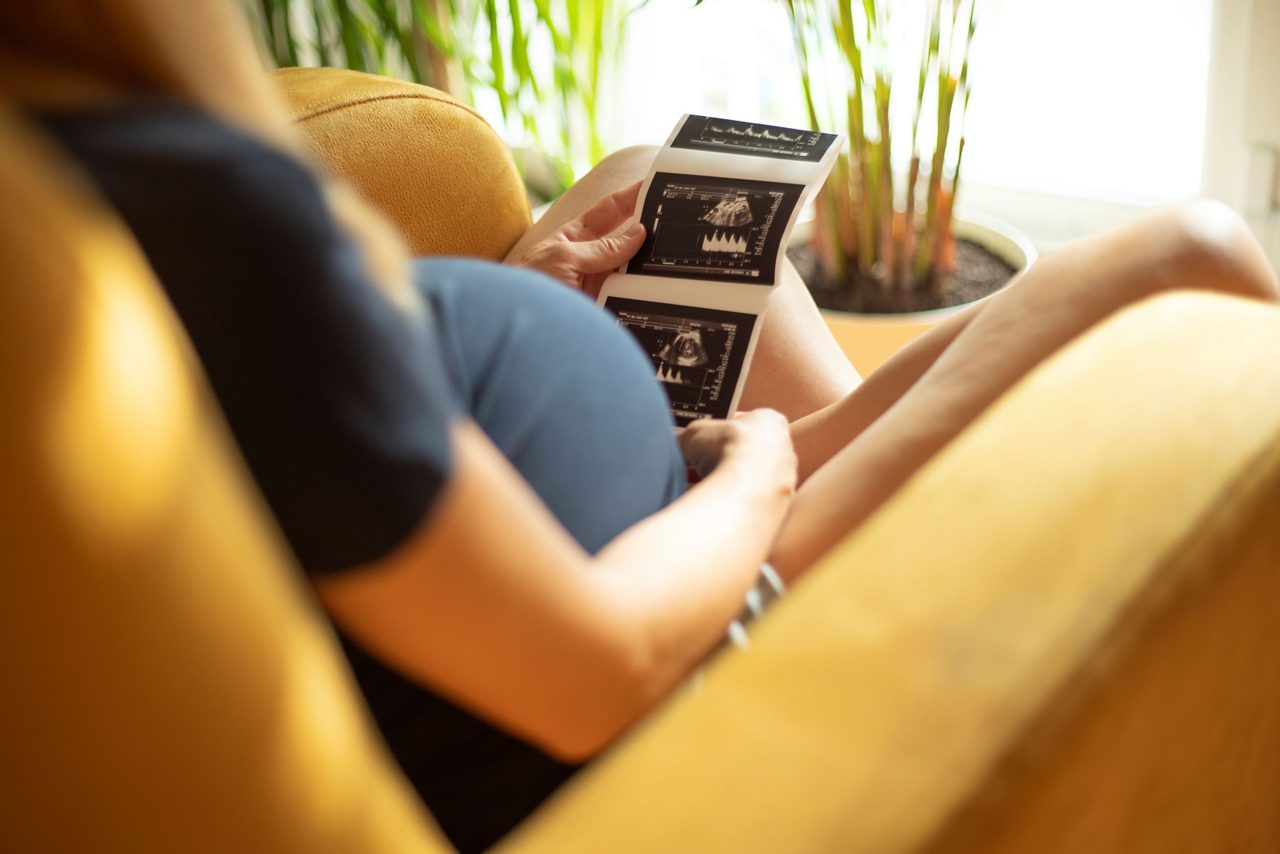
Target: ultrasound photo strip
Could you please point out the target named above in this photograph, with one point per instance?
(719, 201)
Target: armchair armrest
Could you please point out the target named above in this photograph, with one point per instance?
(1059, 636)
(428, 162)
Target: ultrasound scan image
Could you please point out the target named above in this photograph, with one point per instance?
(698, 354)
(714, 229)
(685, 350)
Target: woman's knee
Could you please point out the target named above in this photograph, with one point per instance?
(1207, 246)
(619, 169)
(634, 160)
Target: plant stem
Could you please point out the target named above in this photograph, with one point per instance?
(353, 43)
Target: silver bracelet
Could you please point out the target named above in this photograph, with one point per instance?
(767, 589)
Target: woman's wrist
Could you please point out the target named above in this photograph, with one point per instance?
(759, 482)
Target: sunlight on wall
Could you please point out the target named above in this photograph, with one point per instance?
(1094, 98)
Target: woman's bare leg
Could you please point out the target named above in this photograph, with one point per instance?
(922, 399)
(820, 436)
(798, 368)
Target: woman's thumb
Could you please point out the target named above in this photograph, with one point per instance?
(612, 250)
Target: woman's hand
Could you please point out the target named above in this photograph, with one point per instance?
(583, 252)
(756, 442)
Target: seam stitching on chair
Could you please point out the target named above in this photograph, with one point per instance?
(339, 104)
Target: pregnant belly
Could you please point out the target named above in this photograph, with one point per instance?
(561, 389)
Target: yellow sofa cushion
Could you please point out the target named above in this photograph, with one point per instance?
(427, 161)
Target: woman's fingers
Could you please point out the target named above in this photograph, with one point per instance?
(759, 441)
(580, 252)
(609, 252)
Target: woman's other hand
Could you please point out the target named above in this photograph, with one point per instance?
(757, 443)
(584, 251)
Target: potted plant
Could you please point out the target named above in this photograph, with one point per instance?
(884, 242)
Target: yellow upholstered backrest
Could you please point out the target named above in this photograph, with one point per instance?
(167, 684)
(429, 163)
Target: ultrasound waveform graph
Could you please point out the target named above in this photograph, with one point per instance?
(725, 130)
(696, 243)
(717, 229)
(672, 376)
(727, 242)
(752, 139)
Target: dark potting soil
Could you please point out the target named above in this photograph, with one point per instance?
(977, 274)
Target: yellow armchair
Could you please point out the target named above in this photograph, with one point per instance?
(1059, 636)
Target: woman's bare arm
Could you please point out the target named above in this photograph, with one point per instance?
(492, 603)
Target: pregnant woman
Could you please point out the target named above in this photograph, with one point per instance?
(475, 465)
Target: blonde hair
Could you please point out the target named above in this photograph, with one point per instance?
(73, 52)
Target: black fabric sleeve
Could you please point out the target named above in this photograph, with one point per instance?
(338, 402)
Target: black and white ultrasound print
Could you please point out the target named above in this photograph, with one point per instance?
(714, 229)
(698, 354)
(705, 133)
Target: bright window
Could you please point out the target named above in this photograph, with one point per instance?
(1099, 99)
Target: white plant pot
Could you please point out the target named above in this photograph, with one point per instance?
(870, 339)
